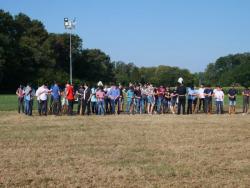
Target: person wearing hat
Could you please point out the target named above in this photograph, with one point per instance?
(232, 92)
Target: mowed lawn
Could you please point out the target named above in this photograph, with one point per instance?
(125, 151)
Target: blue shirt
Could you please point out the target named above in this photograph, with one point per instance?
(191, 92)
(114, 92)
(130, 94)
(55, 92)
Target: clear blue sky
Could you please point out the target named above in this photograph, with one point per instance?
(185, 33)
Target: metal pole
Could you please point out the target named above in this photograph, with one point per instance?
(70, 58)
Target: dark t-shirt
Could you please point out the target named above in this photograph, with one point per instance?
(208, 91)
(174, 92)
(167, 95)
(137, 93)
(181, 90)
(232, 92)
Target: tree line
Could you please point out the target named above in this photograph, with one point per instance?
(29, 53)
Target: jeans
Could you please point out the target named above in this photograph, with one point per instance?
(219, 107)
(20, 105)
(129, 103)
(44, 107)
(159, 103)
(27, 107)
(208, 105)
(94, 107)
(138, 103)
(143, 103)
(190, 105)
(100, 105)
(86, 105)
(245, 104)
(113, 103)
(166, 105)
(55, 106)
(202, 102)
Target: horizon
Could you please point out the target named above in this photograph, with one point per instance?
(188, 35)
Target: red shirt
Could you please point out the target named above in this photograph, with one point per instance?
(160, 91)
(70, 93)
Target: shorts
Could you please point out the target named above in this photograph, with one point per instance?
(151, 100)
(232, 103)
(173, 102)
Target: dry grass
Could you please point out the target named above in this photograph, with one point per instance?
(125, 151)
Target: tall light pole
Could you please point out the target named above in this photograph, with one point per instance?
(70, 25)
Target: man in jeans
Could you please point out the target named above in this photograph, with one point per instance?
(160, 94)
(219, 98)
(42, 96)
(27, 99)
(55, 93)
(208, 93)
(232, 92)
(20, 97)
(100, 94)
(114, 95)
(201, 98)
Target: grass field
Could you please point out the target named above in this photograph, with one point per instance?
(124, 151)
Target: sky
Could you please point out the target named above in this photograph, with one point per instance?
(185, 33)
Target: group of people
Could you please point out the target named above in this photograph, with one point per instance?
(133, 99)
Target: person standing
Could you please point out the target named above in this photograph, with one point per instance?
(150, 98)
(44, 99)
(55, 95)
(93, 101)
(100, 95)
(246, 95)
(201, 98)
(160, 94)
(138, 100)
(219, 98)
(232, 92)
(181, 92)
(107, 100)
(80, 93)
(130, 100)
(173, 100)
(114, 95)
(27, 99)
(20, 98)
(191, 94)
(208, 93)
(70, 98)
(143, 89)
(121, 99)
(86, 99)
(166, 100)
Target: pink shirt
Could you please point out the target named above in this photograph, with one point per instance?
(100, 95)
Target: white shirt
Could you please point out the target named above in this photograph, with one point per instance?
(219, 95)
(42, 93)
(201, 93)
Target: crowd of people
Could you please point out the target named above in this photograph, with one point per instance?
(133, 99)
